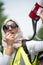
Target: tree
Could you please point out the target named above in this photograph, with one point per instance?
(39, 35)
(2, 17)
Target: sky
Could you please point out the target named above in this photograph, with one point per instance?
(19, 10)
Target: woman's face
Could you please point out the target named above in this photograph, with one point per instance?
(11, 27)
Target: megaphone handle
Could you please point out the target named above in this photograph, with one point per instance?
(34, 23)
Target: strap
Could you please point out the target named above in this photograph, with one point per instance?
(26, 50)
(15, 56)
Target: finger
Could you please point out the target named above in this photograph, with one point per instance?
(7, 33)
(4, 38)
(41, 13)
(10, 37)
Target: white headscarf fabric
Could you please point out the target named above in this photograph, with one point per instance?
(19, 35)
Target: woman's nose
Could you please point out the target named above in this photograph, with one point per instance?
(10, 28)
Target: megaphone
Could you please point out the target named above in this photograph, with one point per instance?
(33, 13)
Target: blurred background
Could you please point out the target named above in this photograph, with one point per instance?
(19, 11)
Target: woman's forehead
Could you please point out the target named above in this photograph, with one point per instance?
(9, 22)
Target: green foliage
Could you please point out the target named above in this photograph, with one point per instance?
(2, 18)
(39, 35)
(35, 39)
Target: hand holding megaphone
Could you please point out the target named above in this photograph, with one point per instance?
(41, 14)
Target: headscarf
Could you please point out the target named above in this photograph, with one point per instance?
(18, 36)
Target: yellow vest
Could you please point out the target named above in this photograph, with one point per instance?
(21, 58)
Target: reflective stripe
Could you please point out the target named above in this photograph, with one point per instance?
(10, 63)
(4, 50)
(17, 58)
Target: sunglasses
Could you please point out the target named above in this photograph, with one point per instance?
(6, 27)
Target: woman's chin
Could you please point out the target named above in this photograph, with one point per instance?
(17, 45)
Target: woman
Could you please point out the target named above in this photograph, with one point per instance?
(11, 33)
(11, 28)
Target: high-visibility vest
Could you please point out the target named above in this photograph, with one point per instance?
(21, 58)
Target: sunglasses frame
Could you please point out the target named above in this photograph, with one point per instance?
(6, 27)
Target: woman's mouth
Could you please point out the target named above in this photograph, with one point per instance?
(12, 32)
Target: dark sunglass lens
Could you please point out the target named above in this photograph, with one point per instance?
(14, 25)
(5, 27)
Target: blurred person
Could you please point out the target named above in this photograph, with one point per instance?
(35, 46)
